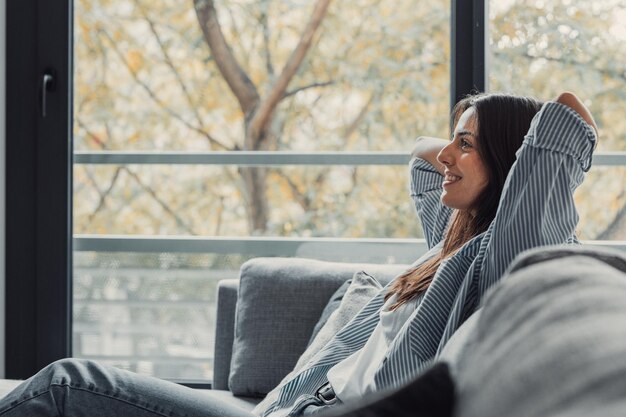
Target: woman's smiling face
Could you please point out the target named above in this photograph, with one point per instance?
(465, 173)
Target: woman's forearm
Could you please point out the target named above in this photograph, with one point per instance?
(428, 148)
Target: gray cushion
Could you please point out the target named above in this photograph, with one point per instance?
(550, 340)
(279, 303)
(460, 343)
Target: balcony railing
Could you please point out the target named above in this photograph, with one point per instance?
(260, 158)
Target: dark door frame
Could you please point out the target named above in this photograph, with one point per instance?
(38, 184)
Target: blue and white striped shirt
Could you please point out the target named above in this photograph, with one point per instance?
(536, 208)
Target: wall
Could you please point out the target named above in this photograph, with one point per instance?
(2, 175)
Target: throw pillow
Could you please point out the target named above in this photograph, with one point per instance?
(362, 288)
(333, 304)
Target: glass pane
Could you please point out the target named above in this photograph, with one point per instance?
(304, 201)
(375, 77)
(544, 47)
(149, 312)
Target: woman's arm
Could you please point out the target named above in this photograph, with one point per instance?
(537, 205)
(570, 100)
(426, 179)
(428, 148)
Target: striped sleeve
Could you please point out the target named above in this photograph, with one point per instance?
(426, 187)
(537, 205)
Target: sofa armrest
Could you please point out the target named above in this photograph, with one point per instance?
(279, 302)
(224, 331)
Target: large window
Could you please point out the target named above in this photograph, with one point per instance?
(284, 133)
(151, 76)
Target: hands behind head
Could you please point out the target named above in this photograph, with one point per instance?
(570, 100)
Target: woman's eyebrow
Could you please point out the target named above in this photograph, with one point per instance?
(466, 133)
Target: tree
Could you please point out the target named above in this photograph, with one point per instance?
(258, 111)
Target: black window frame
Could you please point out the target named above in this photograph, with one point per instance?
(39, 168)
(38, 185)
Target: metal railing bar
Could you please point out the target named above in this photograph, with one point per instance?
(169, 304)
(268, 158)
(85, 328)
(260, 246)
(154, 358)
(270, 246)
(152, 272)
(243, 158)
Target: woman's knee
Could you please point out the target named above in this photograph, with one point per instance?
(71, 371)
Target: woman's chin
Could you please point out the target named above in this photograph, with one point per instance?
(446, 200)
(451, 203)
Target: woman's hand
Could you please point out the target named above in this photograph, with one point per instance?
(570, 100)
(428, 148)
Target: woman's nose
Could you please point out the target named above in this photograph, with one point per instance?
(444, 156)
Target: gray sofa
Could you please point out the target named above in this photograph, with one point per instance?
(522, 343)
(565, 310)
(267, 317)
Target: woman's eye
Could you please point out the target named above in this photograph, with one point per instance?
(465, 144)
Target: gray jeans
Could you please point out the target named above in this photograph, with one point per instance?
(78, 388)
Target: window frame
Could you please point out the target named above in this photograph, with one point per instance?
(38, 185)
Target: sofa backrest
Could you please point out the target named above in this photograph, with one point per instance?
(265, 320)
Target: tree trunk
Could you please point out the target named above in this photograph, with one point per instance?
(255, 183)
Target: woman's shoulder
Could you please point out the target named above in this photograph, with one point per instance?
(471, 248)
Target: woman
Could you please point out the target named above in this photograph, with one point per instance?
(493, 215)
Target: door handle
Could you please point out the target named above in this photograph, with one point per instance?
(47, 85)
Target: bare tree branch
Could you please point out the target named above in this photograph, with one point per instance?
(268, 105)
(158, 101)
(219, 215)
(146, 188)
(244, 47)
(266, 38)
(105, 194)
(358, 119)
(180, 222)
(236, 78)
(567, 61)
(92, 135)
(93, 182)
(617, 226)
(301, 198)
(306, 87)
(170, 64)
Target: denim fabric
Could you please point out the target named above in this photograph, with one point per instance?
(78, 388)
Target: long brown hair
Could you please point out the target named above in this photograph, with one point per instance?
(503, 120)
